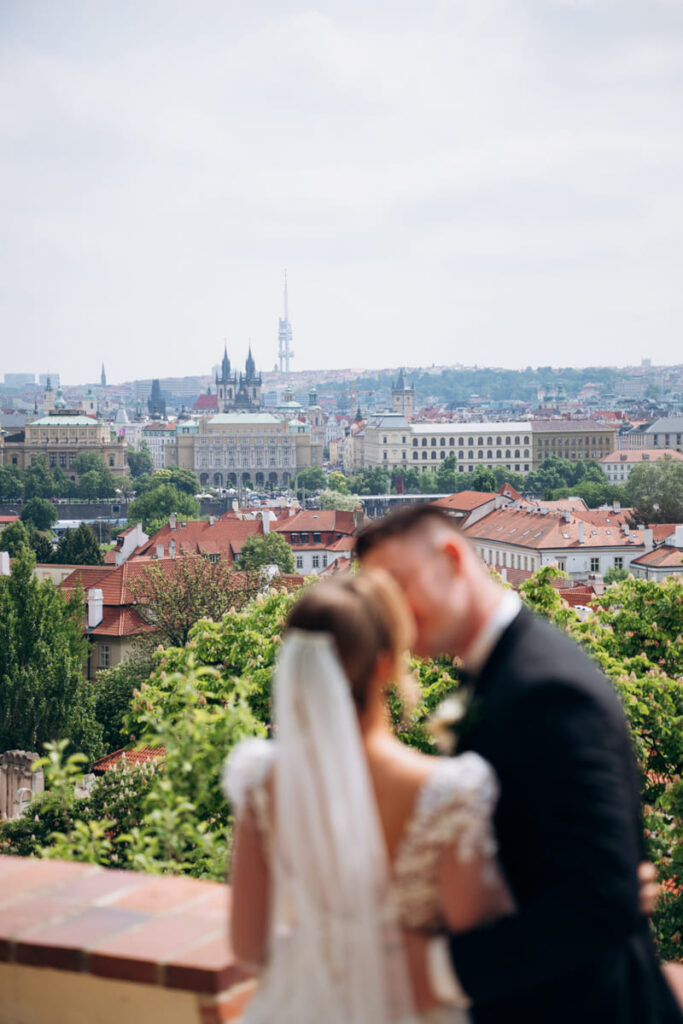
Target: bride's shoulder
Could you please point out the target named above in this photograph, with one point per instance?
(457, 803)
(246, 768)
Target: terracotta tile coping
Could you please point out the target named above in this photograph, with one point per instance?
(160, 930)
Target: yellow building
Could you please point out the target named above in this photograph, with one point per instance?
(571, 439)
(59, 438)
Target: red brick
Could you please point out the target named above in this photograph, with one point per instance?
(155, 942)
(62, 945)
(229, 1005)
(102, 887)
(18, 917)
(208, 967)
(35, 875)
(161, 894)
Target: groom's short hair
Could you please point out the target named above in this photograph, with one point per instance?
(399, 524)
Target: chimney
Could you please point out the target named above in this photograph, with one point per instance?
(212, 520)
(581, 536)
(648, 539)
(617, 506)
(566, 516)
(678, 537)
(265, 518)
(171, 547)
(626, 528)
(235, 505)
(4, 563)
(160, 550)
(172, 521)
(95, 603)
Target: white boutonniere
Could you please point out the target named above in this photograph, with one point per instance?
(445, 723)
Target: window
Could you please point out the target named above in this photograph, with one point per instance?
(111, 460)
(415, 442)
(104, 655)
(415, 455)
(451, 442)
(53, 460)
(507, 440)
(304, 538)
(316, 561)
(470, 455)
(499, 454)
(516, 453)
(562, 564)
(595, 565)
(460, 442)
(424, 455)
(470, 441)
(384, 440)
(433, 455)
(489, 454)
(499, 440)
(299, 561)
(295, 538)
(618, 562)
(424, 442)
(507, 453)
(62, 460)
(480, 454)
(442, 442)
(316, 538)
(433, 442)
(442, 455)
(324, 557)
(385, 455)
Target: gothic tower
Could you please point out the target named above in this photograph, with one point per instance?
(403, 396)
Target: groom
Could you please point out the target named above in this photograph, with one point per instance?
(568, 822)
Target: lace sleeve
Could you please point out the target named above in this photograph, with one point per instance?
(245, 769)
(460, 806)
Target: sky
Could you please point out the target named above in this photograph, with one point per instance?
(497, 182)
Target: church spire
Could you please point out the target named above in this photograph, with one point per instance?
(103, 377)
(250, 366)
(225, 365)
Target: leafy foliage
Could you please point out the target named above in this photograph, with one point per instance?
(656, 491)
(272, 549)
(188, 590)
(153, 508)
(43, 693)
(39, 513)
(78, 547)
(140, 462)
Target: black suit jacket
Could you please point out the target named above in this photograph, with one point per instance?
(570, 835)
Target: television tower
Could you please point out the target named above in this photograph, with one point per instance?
(284, 336)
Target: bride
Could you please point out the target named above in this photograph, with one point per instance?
(346, 839)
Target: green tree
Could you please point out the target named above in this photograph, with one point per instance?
(272, 549)
(482, 480)
(38, 482)
(40, 513)
(615, 575)
(96, 479)
(312, 478)
(11, 482)
(140, 462)
(78, 547)
(40, 544)
(658, 484)
(428, 483)
(153, 508)
(114, 689)
(338, 500)
(43, 693)
(14, 539)
(338, 482)
(189, 589)
(184, 479)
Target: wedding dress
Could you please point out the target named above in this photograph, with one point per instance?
(454, 807)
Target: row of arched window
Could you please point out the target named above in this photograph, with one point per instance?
(470, 441)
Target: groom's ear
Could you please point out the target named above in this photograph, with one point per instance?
(452, 547)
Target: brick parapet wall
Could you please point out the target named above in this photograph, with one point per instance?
(143, 931)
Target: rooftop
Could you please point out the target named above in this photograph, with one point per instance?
(472, 428)
(244, 419)
(465, 501)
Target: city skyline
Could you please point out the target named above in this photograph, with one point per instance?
(488, 182)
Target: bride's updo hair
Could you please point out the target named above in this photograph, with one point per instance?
(367, 617)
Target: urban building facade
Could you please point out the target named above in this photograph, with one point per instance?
(59, 438)
(617, 465)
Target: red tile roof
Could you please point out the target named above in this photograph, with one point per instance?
(85, 576)
(126, 758)
(5, 520)
(110, 558)
(465, 501)
(537, 531)
(199, 537)
(508, 491)
(323, 521)
(206, 403)
(664, 556)
(121, 621)
(628, 455)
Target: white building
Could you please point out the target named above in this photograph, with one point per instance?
(617, 465)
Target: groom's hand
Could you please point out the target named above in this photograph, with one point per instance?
(648, 888)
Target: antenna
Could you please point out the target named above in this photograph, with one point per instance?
(285, 353)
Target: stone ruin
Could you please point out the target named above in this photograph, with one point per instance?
(18, 784)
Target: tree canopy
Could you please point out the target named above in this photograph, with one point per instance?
(153, 508)
(655, 489)
(272, 549)
(43, 693)
(40, 513)
(78, 547)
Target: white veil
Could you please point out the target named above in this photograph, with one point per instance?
(335, 947)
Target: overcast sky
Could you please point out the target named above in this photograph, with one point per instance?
(475, 181)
